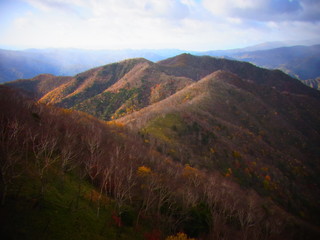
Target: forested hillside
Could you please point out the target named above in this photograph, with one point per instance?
(62, 169)
(207, 147)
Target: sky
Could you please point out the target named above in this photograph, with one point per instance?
(155, 24)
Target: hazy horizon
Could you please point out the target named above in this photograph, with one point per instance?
(309, 42)
(192, 25)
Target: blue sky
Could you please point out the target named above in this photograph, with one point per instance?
(155, 24)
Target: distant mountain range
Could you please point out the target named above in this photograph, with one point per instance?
(29, 63)
(302, 62)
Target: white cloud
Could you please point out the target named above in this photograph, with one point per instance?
(187, 24)
(154, 8)
(49, 5)
(227, 7)
(311, 10)
(266, 10)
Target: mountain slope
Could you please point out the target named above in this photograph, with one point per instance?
(129, 85)
(40, 85)
(66, 175)
(255, 134)
(198, 67)
(118, 89)
(313, 83)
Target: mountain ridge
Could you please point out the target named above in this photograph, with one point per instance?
(225, 122)
(151, 82)
(29, 63)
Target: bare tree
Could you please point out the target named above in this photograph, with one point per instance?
(11, 153)
(124, 176)
(93, 140)
(43, 146)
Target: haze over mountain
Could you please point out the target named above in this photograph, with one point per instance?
(301, 62)
(29, 63)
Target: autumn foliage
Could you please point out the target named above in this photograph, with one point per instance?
(179, 236)
(145, 186)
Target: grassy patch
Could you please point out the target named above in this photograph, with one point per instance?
(166, 128)
(67, 210)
